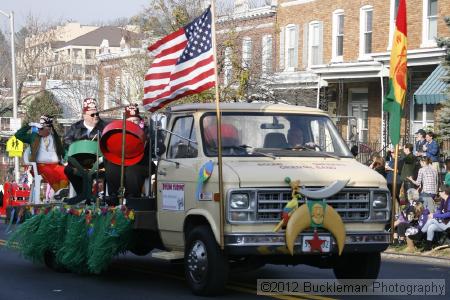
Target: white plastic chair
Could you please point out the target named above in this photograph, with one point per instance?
(37, 179)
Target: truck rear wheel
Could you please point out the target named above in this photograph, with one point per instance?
(143, 242)
(358, 266)
(206, 266)
(51, 262)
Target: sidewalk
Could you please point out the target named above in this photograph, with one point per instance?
(441, 257)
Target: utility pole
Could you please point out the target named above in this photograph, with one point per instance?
(14, 83)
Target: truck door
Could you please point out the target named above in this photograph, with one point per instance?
(177, 177)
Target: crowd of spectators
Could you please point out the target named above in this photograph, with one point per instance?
(423, 198)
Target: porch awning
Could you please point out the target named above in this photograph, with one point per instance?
(432, 90)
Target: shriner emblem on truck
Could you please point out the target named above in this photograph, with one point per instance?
(314, 213)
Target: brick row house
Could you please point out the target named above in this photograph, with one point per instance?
(246, 48)
(335, 55)
(121, 78)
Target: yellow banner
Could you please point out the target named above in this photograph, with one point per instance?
(398, 69)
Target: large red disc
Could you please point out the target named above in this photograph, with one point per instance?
(111, 143)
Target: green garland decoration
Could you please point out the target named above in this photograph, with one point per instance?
(83, 240)
(41, 241)
(73, 253)
(114, 238)
(23, 237)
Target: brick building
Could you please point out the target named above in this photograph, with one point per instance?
(121, 78)
(344, 47)
(246, 47)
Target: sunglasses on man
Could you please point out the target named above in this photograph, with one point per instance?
(94, 114)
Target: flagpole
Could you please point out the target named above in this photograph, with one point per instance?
(394, 191)
(219, 122)
(395, 98)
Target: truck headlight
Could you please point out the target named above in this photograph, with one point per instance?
(379, 200)
(242, 206)
(239, 201)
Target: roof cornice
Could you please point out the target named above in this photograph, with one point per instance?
(265, 11)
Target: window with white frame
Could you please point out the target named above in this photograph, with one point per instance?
(430, 18)
(246, 52)
(423, 116)
(77, 53)
(315, 43)
(365, 46)
(266, 54)
(90, 53)
(291, 47)
(393, 18)
(338, 35)
(228, 66)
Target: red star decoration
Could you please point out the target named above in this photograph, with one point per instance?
(316, 243)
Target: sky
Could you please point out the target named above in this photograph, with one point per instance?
(83, 11)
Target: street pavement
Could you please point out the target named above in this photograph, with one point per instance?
(146, 278)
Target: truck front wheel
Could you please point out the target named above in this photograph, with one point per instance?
(358, 266)
(206, 266)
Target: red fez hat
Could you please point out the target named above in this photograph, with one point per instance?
(132, 110)
(89, 104)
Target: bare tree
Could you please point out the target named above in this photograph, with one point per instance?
(33, 49)
(164, 16)
(5, 62)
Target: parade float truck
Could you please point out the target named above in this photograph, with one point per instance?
(283, 189)
(305, 202)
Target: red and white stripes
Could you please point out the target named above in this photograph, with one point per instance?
(167, 81)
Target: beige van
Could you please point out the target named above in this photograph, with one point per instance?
(262, 144)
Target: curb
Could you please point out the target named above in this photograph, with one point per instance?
(409, 257)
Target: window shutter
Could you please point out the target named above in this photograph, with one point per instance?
(320, 42)
(305, 45)
(250, 43)
(263, 53)
(297, 32)
(282, 48)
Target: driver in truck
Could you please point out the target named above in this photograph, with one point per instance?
(295, 137)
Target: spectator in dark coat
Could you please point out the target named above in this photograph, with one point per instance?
(86, 129)
(409, 162)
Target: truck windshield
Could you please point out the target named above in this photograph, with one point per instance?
(256, 134)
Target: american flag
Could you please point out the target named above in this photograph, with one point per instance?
(183, 64)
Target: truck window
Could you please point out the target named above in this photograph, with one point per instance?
(280, 134)
(181, 147)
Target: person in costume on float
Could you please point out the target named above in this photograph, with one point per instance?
(134, 176)
(86, 129)
(47, 151)
(230, 137)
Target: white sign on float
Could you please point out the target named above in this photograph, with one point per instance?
(173, 196)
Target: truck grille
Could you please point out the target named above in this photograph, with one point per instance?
(350, 204)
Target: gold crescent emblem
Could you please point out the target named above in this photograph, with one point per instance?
(301, 220)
